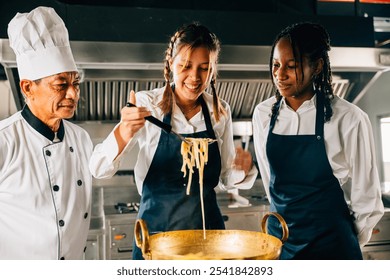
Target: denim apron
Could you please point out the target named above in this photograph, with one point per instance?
(165, 206)
(305, 192)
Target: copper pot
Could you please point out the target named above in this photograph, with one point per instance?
(218, 244)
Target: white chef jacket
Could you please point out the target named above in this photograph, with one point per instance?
(350, 149)
(45, 189)
(104, 163)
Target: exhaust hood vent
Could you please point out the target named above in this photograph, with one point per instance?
(103, 100)
(110, 70)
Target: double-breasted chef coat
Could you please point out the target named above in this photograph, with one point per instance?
(45, 189)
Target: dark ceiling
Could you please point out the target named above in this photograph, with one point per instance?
(246, 22)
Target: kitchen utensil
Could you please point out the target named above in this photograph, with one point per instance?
(218, 244)
(160, 124)
(165, 127)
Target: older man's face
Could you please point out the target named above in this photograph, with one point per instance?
(55, 97)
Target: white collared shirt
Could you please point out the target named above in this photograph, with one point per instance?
(350, 149)
(104, 162)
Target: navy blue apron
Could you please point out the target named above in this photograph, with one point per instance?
(165, 206)
(305, 192)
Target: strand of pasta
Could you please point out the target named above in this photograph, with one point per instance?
(195, 153)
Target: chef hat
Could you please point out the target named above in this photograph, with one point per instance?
(41, 43)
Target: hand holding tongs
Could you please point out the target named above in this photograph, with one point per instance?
(160, 124)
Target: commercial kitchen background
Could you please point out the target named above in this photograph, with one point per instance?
(119, 45)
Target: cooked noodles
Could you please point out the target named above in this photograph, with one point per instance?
(195, 154)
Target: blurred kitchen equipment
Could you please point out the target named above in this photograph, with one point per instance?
(378, 248)
(119, 224)
(244, 130)
(130, 207)
(218, 244)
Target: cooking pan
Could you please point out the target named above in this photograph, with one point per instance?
(217, 244)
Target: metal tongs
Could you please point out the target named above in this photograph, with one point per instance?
(166, 127)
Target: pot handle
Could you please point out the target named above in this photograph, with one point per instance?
(141, 235)
(281, 220)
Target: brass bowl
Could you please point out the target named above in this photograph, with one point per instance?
(218, 244)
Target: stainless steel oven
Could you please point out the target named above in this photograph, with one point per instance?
(379, 246)
(119, 233)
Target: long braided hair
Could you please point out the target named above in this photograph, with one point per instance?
(193, 35)
(309, 40)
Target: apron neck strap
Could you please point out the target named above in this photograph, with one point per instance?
(320, 114)
(207, 118)
(275, 116)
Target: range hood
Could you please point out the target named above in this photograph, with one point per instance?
(111, 69)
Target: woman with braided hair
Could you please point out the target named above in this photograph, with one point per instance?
(191, 63)
(315, 153)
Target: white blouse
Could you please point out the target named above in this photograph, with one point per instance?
(350, 148)
(104, 161)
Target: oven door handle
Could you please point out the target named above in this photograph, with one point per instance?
(125, 250)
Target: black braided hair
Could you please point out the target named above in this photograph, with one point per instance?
(193, 35)
(313, 41)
